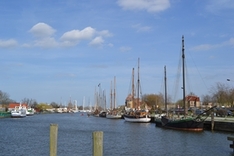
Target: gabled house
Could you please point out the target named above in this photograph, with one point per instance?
(193, 101)
(13, 106)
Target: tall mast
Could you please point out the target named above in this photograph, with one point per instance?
(138, 83)
(133, 88)
(183, 71)
(111, 97)
(165, 80)
(114, 93)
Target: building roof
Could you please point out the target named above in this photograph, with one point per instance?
(13, 105)
(192, 98)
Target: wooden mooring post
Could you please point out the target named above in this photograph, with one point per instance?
(231, 145)
(212, 120)
(98, 143)
(53, 139)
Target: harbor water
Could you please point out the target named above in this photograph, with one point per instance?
(30, 137)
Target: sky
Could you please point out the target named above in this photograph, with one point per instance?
(57, 51)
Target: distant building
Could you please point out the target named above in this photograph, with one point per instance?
(193, 101)
(15, 105)
(136, 104)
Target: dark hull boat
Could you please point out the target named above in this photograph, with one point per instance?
(102, 114)
(187, 124)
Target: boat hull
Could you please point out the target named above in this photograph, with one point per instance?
(134, 118)
(102, 114)
(18, 115)
(108, 116)
(189, 124)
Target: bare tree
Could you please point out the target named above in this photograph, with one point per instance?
(4, 98)
(220, 94)
(206, 99)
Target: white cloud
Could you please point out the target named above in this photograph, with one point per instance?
(77, 35)
(149, 5)
(140, 28)
(219, 5)
(72, 38)
(203, 47)
(8, 43)
(43, 33)
(42, 30)
(110, 45)
(124, 49)
(230, 42)
(105, 33)
(47, 42)
(97, 41)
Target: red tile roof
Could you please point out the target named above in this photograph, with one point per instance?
(13, 105)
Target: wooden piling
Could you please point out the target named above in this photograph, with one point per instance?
(53, 139)
(212, 120)
(231, 145)
(98, 143)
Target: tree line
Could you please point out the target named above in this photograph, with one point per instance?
(221, 95)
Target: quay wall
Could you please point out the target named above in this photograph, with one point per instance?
(220, 124)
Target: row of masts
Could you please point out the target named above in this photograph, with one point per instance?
(138, 87)
(100, 97)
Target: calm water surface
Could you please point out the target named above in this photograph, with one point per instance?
(30, 137)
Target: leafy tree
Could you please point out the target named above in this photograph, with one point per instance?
(42, 107)
(153, 100)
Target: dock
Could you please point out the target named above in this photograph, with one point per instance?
(220, 124)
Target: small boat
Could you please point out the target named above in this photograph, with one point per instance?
(137, 116)
(19, 112)
(30, 111)
(114, 116)
(134, 113)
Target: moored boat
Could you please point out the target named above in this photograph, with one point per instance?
(137, 116)
(187, 123)
(30, 111)
(19, 112)
(133, 110)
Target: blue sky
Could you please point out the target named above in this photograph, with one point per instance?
(54, 51)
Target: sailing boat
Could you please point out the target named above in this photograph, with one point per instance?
(113, 114)
(185, 123)
(135, 114)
